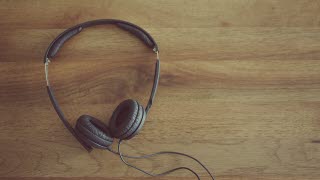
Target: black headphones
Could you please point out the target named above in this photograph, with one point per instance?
(129, 116)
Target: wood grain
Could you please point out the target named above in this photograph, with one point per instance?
(239, 87)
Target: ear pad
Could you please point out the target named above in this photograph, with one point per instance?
(93, 131)
(127, 119)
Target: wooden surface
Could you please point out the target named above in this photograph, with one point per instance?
(239, 87)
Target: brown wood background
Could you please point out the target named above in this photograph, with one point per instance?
(239, 88)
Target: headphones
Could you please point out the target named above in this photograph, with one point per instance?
(129, 116)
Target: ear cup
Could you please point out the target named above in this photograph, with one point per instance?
(93, 131)
(127, 119)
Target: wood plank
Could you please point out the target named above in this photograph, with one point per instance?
(168, 13)
(176, 44)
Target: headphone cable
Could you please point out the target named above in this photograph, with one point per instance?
(155, 154)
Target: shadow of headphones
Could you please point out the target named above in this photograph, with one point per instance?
(129, 116)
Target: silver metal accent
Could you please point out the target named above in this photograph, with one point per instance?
(154, 49)
(46, 70)
(157, 52)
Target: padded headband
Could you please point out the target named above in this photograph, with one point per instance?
(69, 33)
(58, 42)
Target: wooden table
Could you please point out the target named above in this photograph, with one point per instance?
(239, 88)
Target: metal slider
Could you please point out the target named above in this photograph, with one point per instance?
(155, 50)
(46, 70)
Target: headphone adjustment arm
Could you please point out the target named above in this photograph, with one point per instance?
(46, 70)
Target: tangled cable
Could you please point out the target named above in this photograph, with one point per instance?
(155, 154)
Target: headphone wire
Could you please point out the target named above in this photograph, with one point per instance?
(155, 154)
